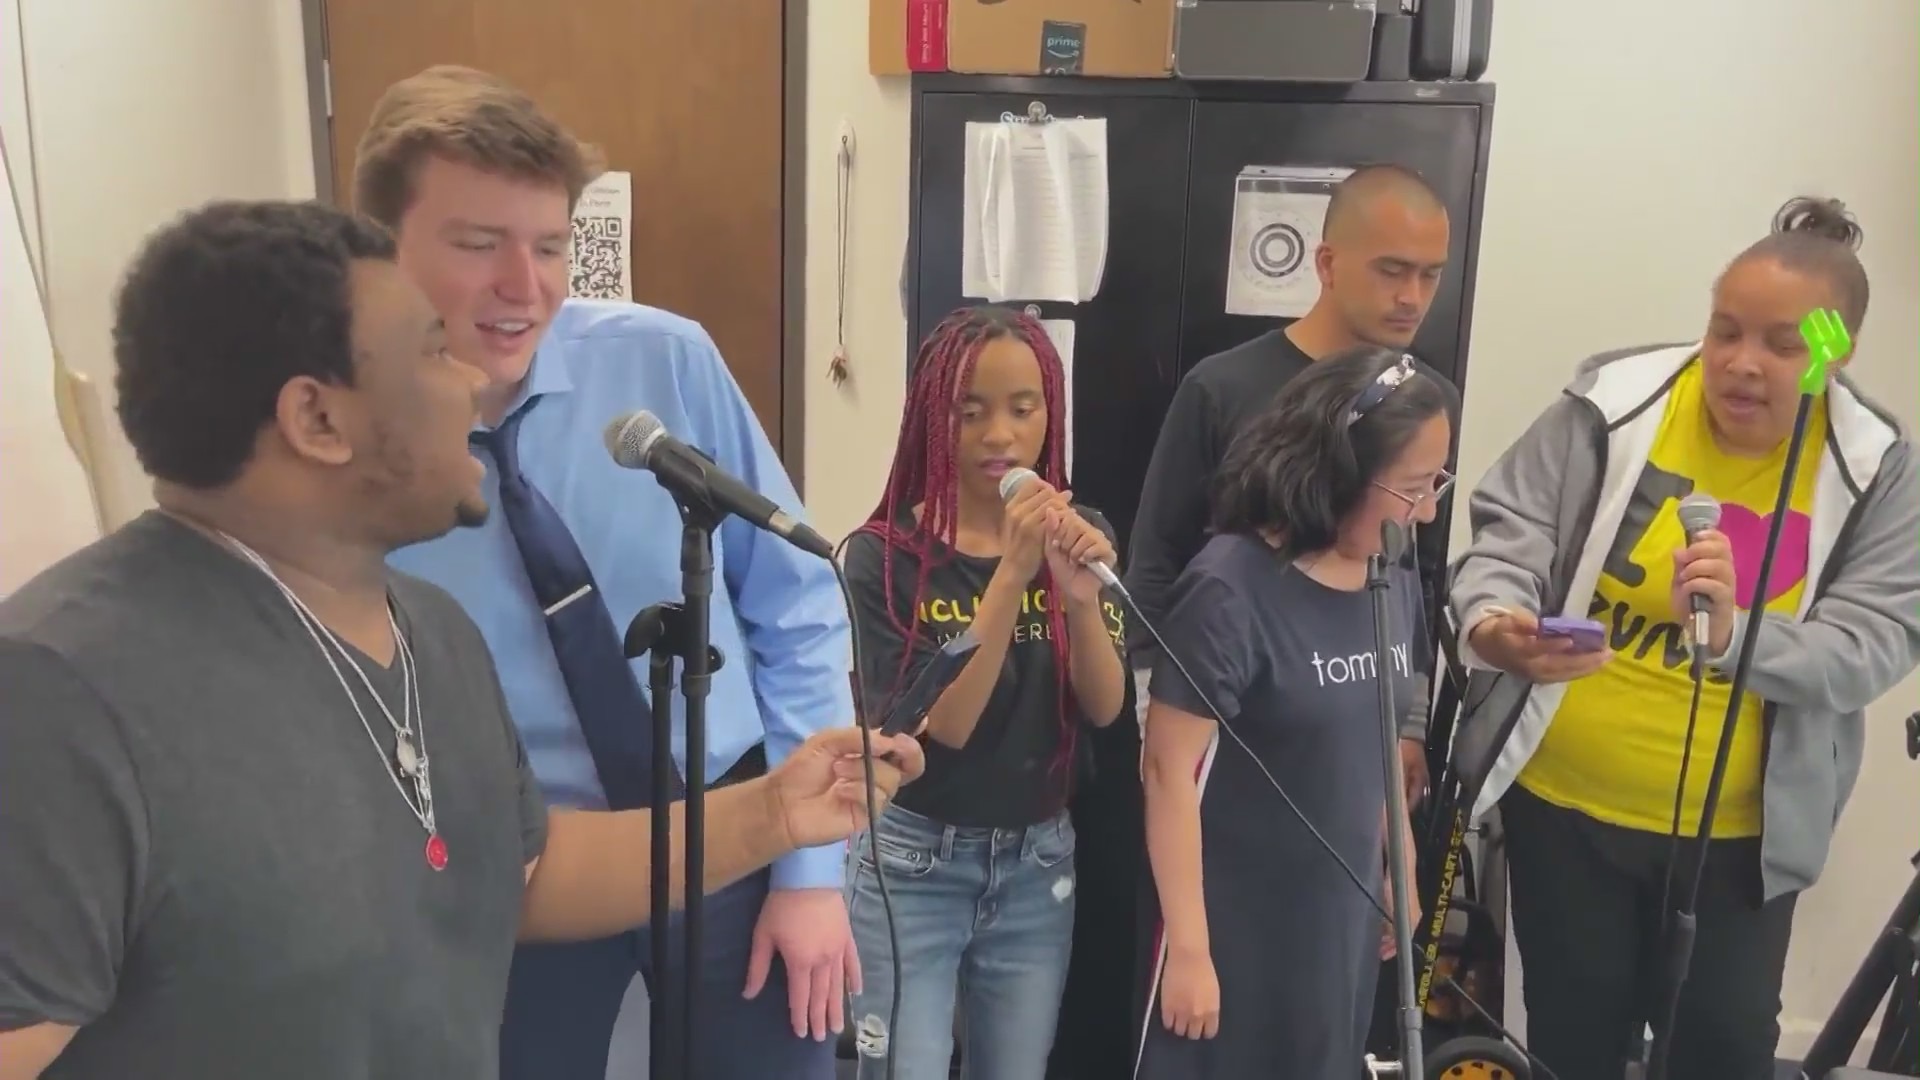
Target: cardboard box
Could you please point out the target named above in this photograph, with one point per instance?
(1118, 38)
(1113, 38)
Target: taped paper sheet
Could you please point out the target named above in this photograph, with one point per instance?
(1034, 223)
(1060, 332)
(1277, 214)
(602, 264)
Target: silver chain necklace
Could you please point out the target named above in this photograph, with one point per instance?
(409, 766)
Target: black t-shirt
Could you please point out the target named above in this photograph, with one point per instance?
(1214, 403)
(1009, 774)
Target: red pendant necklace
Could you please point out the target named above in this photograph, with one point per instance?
(408, 765)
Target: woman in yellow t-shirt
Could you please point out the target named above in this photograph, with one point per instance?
(1582, 750)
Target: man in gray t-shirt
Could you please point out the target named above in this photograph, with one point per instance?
(206, 862)
(262, 810)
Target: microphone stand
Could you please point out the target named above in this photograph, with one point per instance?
(1412, 1063)
(1887, 972)
(679, 632)
(1826, 341)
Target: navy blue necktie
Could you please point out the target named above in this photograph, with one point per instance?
(614, 715)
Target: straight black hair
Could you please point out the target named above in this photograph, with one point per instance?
(1304, 463)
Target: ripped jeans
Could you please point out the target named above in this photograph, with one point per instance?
(985, 922)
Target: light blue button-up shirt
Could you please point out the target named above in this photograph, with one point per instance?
(779, 620)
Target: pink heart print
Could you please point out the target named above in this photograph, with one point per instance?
(1746, 531)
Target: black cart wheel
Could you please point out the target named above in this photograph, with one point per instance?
(1475, 1058)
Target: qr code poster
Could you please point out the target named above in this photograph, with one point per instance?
(602, 267)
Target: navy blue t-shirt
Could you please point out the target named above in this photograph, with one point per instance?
(1291, 664)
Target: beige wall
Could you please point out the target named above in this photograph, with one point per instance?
(140, 110)
(1613, 200)
(47, 509)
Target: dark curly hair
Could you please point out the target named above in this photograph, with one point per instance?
(1300, 468)
(218, 311)
(1819, 237)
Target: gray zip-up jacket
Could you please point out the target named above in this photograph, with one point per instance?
(1545, 515)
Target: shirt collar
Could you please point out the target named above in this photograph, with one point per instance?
(547, 374)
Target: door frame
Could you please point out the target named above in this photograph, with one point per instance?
(793, 203)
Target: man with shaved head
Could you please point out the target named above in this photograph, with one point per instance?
(1384, 246)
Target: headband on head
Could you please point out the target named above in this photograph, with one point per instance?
(1382, 386)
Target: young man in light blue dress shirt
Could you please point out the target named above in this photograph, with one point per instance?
(478, 185)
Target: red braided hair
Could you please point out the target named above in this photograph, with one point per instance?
(925, 473)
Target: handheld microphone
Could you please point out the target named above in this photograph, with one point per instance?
(1393, 540)
(1013, 481)
(1699, 512)
(639, 440)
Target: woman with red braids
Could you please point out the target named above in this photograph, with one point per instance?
(979, 860)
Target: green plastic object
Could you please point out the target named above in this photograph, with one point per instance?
(1827, 340)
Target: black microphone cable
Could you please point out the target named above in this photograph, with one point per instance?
(1707, 517)
(1685, 918)
(1667, 914)
(1133, 610)
(862, 1032)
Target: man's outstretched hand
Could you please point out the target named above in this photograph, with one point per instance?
(820, 791)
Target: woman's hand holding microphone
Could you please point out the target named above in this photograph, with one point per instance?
(1042, 526)
(1705, 568)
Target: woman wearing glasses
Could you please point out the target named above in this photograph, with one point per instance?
(1269, 954)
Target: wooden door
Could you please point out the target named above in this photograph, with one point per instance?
(687, 97)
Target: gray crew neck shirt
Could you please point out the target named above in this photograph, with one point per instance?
(206, 866)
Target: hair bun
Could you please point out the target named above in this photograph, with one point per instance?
(1827, 218)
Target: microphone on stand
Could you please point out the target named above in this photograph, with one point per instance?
(639, 440)
(1699, 512)
(1828, 341)
(1013, 481)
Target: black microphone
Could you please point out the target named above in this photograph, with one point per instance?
(1698, 513)
(1013, 481)
(640, 441)
(1393, 540)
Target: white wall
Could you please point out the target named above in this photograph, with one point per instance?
(851, 428)
(141, 110)
(1614, 198)
(47, 510)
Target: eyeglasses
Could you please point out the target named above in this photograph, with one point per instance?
(1442, 483)
(1384, 384)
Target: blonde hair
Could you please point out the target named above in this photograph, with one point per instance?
(466, 116)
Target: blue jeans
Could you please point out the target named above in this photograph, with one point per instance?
(985, 920)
